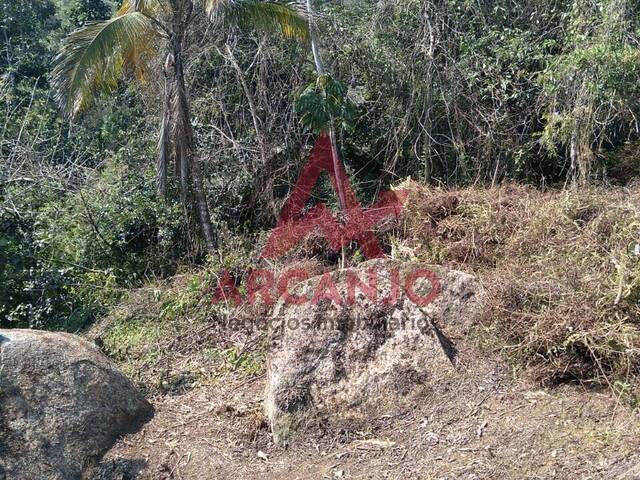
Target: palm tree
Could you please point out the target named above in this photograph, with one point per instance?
(95, 56)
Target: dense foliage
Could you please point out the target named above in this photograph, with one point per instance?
(449, 92)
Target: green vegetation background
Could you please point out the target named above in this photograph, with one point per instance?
(448, 92)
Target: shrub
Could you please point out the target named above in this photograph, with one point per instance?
(67, 257)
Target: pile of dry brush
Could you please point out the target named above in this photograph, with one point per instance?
(560, 270)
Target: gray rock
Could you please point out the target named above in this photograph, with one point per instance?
(362, 357)
(62, 405)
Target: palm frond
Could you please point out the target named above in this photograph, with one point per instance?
(148, 7)
(95, 56)
(287, 16)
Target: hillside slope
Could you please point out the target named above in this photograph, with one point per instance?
(545, 385)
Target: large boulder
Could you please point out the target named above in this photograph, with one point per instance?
(347, 353)
(62, 405)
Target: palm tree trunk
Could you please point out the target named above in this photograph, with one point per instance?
(163, 142)
(185, 148)
(203, 209)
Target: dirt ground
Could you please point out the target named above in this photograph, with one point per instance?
(481, 424)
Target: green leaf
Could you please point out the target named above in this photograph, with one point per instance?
(95, 56)
(286, 16)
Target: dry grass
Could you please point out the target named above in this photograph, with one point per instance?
(559, 267)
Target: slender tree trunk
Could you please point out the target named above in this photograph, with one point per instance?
(183, 156)
(203, 208)
(581, 153)
(573, 156)
(260, 137)
(315, 48)
(164, 142)
(185, 150)
(429, 34)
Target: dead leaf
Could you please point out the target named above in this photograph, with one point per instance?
(374, 443)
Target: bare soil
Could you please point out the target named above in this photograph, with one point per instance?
(480, 424)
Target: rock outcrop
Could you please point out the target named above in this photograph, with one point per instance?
(62, 405)
(364, 355)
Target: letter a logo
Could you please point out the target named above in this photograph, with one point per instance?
(294, 226)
